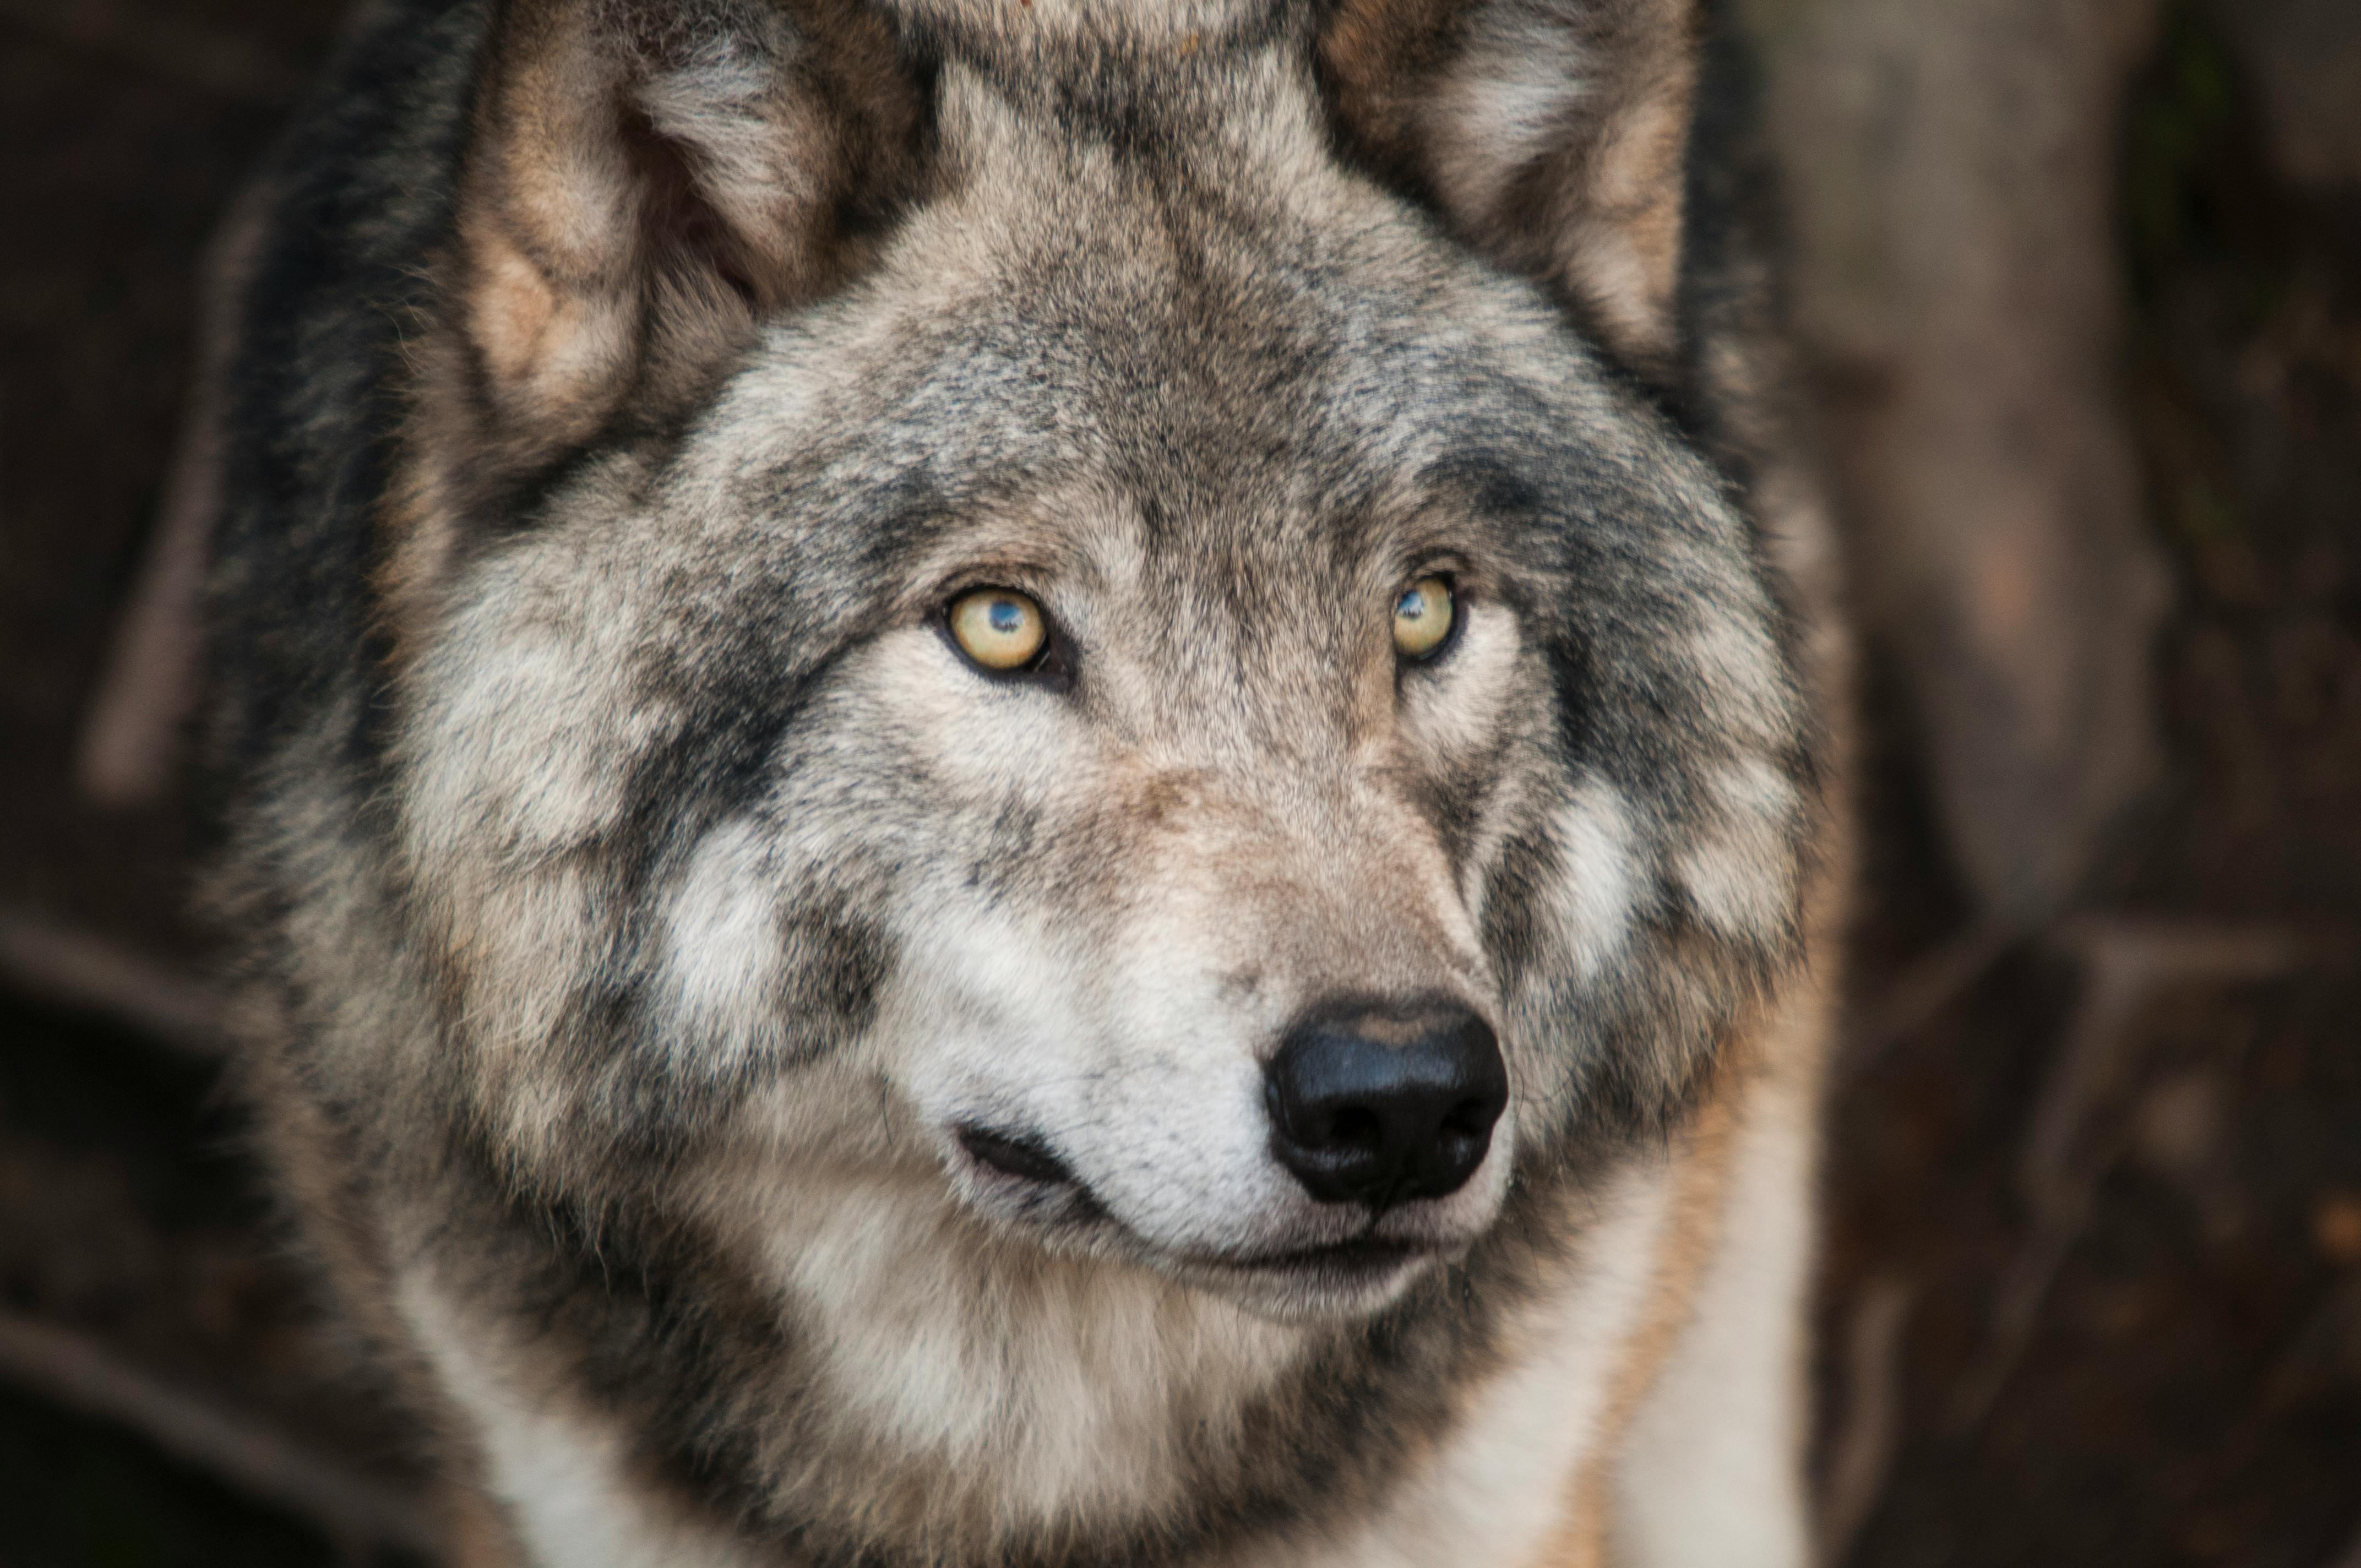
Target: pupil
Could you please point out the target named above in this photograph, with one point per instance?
(1413, 606)
(1006, 616)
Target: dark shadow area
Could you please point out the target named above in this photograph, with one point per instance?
(2116, 1180)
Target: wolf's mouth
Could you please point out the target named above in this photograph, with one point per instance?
(1051, 1193)
(1013, 1154)
(1363, 1256)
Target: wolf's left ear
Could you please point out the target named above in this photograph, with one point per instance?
(644, 177)
(1552, 134)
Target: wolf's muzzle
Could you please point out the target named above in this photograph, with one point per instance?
(1378, 1104)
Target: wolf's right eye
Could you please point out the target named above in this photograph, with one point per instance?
(1000, 628)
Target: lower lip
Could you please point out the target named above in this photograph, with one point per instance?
(1356, 1260)
(1344, 1263)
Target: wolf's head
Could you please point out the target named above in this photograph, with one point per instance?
(1077, 613)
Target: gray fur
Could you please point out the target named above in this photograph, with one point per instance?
(638, 890)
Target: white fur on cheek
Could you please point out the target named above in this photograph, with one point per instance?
(1599, 882)
(1181, 1135)
(1738, 669)
(1740, 875)
(989, 1011)
(522, 749)
(1150, 1089)
(723, 949)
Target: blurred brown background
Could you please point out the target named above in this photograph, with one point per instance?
(2077, 289)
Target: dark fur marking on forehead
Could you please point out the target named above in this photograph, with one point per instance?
(1493, 479)
(876, 525)
(636, 444)
(764, 645)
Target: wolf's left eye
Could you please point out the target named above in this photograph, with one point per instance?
(1422, 618)
(1000, 628)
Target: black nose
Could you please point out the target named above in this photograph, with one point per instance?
(1379, 1104)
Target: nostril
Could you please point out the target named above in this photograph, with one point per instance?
(1356, 1128)
(1315, 1122)
(1472, 1118)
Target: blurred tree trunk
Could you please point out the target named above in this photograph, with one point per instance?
(1951, 172)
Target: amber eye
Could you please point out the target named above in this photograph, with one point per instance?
(1422, 618)
(999, 628)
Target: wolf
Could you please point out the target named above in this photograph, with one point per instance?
(1036, 783)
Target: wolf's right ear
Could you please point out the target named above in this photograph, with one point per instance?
(646, 178)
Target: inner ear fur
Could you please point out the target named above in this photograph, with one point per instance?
(1552, 135)
(646, 178)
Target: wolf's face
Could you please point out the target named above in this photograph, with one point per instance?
(1182, 714)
